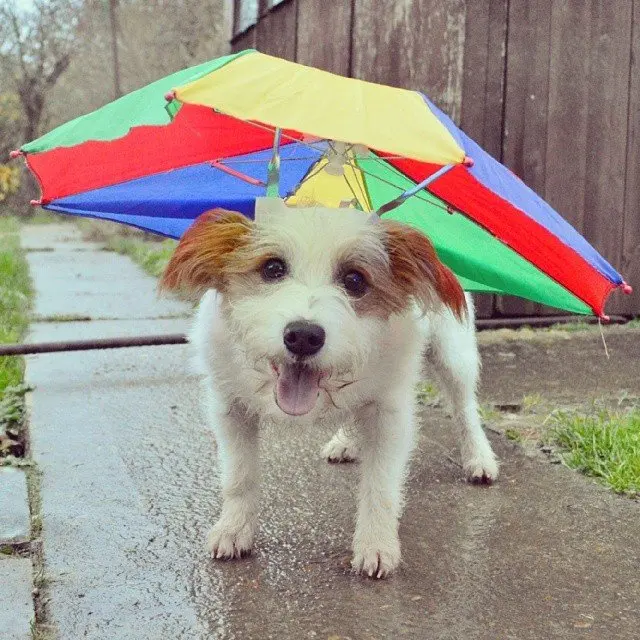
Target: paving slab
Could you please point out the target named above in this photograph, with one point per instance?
(16, 602)
(93, 283)
(15, 521)
(129, 490)
(55, 236)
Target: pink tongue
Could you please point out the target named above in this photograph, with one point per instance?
(297, 389)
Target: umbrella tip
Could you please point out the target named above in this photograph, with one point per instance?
(468, 161)
(35, 203)
(604, 318)
(627, 288)
(15, 153)
(169, 96)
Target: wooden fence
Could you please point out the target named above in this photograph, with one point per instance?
(549, 87)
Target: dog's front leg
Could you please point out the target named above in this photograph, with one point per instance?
(387, 441)
(237, 440)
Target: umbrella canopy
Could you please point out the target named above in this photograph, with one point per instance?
(217, 135)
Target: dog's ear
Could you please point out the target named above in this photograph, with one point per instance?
(417, 271)
(204, 251)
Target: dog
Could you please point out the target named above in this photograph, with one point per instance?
(322, 316)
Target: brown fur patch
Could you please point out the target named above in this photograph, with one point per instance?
(417, 273)
(206, 253)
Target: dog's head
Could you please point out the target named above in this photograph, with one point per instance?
(308, 293)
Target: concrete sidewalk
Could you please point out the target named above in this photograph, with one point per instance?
(129, 491)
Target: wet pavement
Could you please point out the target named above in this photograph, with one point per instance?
(129, 491)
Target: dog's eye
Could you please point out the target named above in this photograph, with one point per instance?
(274, 269)
(355, 284)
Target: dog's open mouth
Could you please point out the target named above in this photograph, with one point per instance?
(297, 387)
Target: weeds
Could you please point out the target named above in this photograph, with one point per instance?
(427, 394)
(604, 445)
(15, 301)
(489, 414)
(531, 402)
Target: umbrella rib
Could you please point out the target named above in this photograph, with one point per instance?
(396, 202)
(355, 195)
(310, 146)
(365, 199)
(233, 161)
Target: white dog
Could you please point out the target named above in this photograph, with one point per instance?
(316, 315)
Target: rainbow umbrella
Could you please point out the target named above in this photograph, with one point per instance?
(226, 132)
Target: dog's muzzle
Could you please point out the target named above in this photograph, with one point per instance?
(298, 384)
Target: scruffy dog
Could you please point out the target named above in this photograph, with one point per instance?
(316, 315)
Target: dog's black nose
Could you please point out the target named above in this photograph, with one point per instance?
(303, 338)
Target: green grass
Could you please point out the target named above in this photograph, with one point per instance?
(8, 225)
(572, 327)
(150, 255)
(427, 394)
(41, 216)
(604, 444)
(513, 434)
(488, 414)
(531, 402)
(15, 300)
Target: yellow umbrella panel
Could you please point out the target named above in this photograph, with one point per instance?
(261, 88)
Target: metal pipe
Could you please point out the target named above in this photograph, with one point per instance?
(88, 345)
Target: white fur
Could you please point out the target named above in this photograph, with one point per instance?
(238, 336)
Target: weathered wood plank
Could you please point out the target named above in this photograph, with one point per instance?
(630, 264)
(527, 91)
(324, 34)
(483, 303)
(483, 73)
(416, 44)
(607, 130)
(276, 31)
(482, 88)
(246, 40)
(524, 142)
(568, 108)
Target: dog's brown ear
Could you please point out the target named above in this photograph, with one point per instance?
(417, 271)
(204, 251)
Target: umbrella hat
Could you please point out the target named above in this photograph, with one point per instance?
(229, 131)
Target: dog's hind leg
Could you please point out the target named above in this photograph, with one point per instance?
(343, 447)
(237, 440)
(456, 363)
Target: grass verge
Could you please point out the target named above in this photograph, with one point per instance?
(16, 294)
(604, 445)
(152, 256)
(15, 302)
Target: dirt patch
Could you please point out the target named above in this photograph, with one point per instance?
(563, 368)
(530, 376)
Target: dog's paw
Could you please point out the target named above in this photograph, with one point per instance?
(226, 542)
(481, 469)
(340, 448)
(376, 560)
